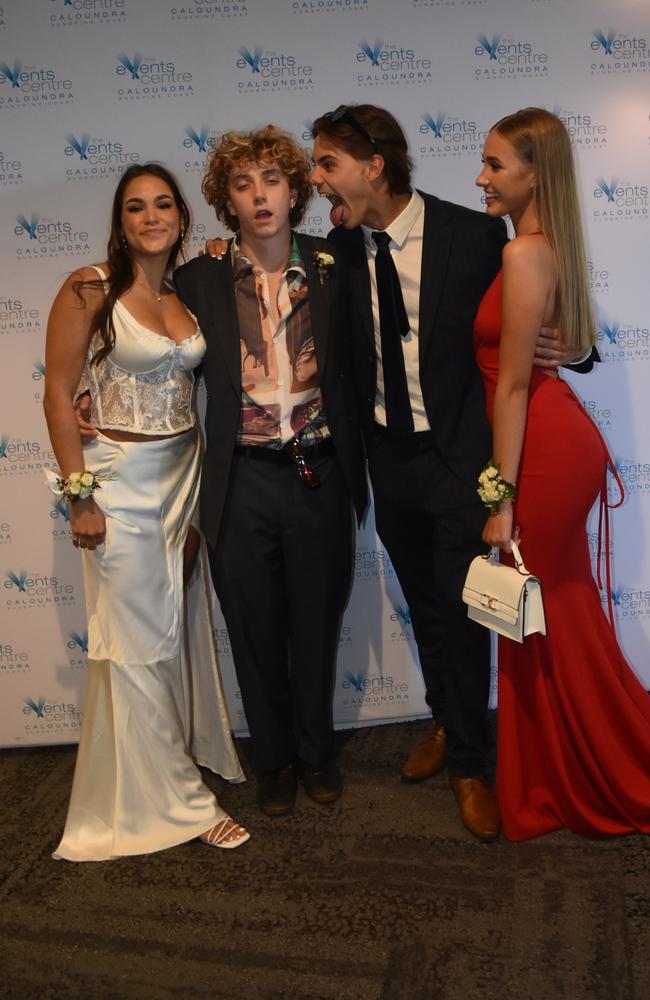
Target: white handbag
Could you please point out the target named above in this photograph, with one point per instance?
(506, 599)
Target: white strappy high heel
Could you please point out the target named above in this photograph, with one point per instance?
(220, 835)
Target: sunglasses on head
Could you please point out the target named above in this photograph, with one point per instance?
(343, 114)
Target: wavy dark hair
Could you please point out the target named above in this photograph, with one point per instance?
(384, 129)
(120, 263)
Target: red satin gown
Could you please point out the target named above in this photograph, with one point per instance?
(573, 719)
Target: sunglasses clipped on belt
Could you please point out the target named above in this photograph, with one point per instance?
(307, 473)
(344, 114)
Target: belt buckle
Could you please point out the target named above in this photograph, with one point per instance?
(309, 476)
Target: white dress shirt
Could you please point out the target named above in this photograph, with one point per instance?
(406, 235)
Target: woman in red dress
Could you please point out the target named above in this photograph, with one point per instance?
(574, 721)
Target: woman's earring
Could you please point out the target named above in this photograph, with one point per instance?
(125, 244)
(182, 235)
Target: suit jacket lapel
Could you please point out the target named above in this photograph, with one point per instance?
(319, 299)
(225, 324)
(436, 244)
(360, 282)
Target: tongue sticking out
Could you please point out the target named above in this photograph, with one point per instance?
(336, 214)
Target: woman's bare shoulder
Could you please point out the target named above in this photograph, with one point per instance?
(528, 259)
(531, 248)
(83, 287)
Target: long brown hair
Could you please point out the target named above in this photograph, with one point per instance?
(540, 139)
(121, 275)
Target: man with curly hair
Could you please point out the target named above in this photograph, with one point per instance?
(284, 457)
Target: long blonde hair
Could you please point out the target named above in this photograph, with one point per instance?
(540, 138)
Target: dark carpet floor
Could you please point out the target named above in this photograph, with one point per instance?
(383, 896)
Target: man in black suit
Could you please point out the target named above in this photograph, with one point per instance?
(284, 457)
(418, 268)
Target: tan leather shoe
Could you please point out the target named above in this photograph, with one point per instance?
(479, 808)
(427, 757)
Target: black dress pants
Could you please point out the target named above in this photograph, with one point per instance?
(431, 525)
(282, 570)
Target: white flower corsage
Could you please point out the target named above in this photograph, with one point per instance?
(323, 262)
(76, 486)
(493, 489)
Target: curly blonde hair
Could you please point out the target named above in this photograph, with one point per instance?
(265, 145)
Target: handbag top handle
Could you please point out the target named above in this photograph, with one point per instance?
(519, 562)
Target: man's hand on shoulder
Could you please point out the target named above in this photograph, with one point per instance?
(215, 248)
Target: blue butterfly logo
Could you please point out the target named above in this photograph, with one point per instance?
(29, 227)
(403, 614)
(372, 53)
(12, 74)
(132, 66)
(435, 124)
(18, 579)
(608, 189)
(80, 640)
(37, 706)
(490, 46)
(253, 60)
(198, 138)
(611, 330)
(606, 40)
(356, 680)
(80, 145)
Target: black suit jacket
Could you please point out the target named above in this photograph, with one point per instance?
(206, 286)
(461, 255)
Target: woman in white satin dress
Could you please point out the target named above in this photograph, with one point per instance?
(154, 703)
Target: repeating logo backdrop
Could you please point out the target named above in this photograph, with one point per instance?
(89, 86)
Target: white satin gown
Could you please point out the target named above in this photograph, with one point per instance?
(154, 702)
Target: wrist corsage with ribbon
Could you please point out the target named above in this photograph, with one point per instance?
(75, 486)
(493, 488)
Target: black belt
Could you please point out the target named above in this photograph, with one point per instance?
(293, 452)
(312, 452)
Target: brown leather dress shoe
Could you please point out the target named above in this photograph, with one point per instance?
(322, 784)
(427, 757)
(276, 790)
(479, 808)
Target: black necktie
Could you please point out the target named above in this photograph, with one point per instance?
(393, 325)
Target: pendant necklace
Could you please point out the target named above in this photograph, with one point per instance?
(156, 296)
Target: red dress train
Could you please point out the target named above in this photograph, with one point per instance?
(573, 719)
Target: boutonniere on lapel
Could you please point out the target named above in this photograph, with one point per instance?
(323, 262)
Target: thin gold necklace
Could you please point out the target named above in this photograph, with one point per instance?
(143, 284)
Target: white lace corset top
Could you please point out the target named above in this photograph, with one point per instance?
(145, 385)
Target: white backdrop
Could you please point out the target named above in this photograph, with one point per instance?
(89, 86)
